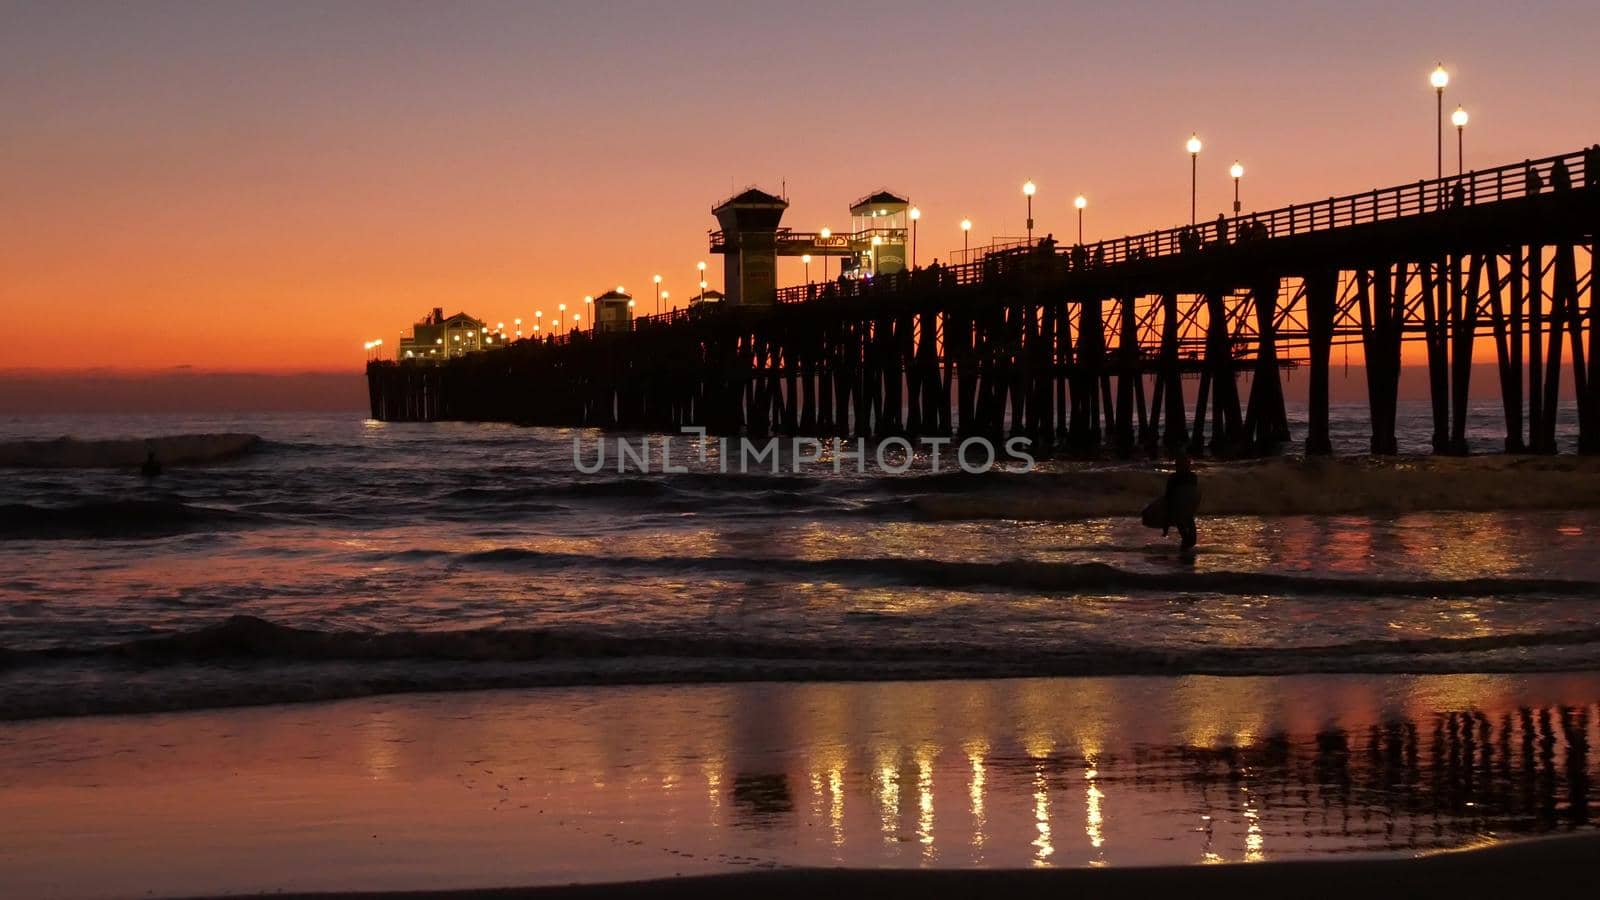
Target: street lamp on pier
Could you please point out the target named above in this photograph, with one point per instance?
(1237, 171)
(657, 280)
(966, 231)
(561, 313)
(1080, 202)
(1028, 190)
(825, 233)
(1459, 120)
(1193, 146)
(1439, 79)
(805, 259)
(701, 266)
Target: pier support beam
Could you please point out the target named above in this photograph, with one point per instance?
(1321, 294)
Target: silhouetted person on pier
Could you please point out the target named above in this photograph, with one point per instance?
(1183, 500)
(1222, 228)
(151, 468)
(1560, 178)
(1535, 184)
(1458, 196)
(1047, 245)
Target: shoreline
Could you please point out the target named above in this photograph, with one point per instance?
(958, 788)
(1554, 866)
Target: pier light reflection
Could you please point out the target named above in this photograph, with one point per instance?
(925, 801)
(975, 794)
(1094, 816)
(1043, 848)
(889, 798)
(1254, 841)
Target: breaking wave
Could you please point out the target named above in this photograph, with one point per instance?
(248, 661)
(110, 519)
(1048, 577)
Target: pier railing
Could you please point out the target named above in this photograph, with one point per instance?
(1420, 198)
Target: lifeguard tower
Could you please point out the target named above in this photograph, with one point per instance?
(878, 234)
(751, 242)
(748, 243)
(613, 312)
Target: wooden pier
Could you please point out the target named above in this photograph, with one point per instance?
(1084, 349)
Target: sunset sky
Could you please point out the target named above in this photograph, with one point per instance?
(266, 186)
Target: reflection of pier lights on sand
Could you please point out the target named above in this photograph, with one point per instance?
(925, 801)
(836, 804)
(889, 796)
(1093, 816)
(975, 795)
(1042, 846)
(1254, 841)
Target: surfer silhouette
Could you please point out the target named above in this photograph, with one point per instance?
(1177, 505)
(151, 468)
(1183, 500)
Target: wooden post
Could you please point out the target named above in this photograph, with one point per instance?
(1171, 377)
(1464, 333)
(1127, 371)
(1321, 295)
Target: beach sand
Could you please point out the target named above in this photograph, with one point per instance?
(1549, 868)
(1099, 786)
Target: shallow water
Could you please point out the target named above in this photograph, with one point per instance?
(346, 557)
(596, 784)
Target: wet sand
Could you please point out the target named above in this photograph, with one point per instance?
(1550, 868)
(955, 788)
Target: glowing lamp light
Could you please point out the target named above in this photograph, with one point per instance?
(1439, 78)
(826, 233)
(656, 278)
(805, 258)
(620, 290)
(966, 224)
(1080, 201)
(578, 317)
(1459, 118)
(561, 307)
(703, 284)
(630, 306)
(1029, 188)
(876, 240)
(701, 266)
(666, 295)
(915, 214)
(1193, 144)
(588, 298)
(1236, 170)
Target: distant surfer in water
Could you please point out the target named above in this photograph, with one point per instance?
(1183, 500)
(151, 467)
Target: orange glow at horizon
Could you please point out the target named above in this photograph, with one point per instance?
(268, 189)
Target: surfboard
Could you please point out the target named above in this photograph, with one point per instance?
(1155, 514)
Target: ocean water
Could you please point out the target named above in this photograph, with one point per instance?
(344, 557)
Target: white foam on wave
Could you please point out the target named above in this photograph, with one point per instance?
(170, 450)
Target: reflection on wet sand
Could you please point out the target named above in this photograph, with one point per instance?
(523, 787)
